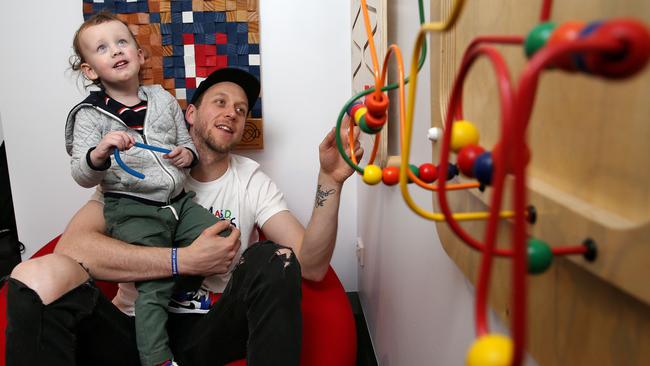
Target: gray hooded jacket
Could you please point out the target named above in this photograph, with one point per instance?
(164, 126)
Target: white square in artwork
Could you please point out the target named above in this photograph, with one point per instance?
(98, 1)
(189, 60)
(190, 71)
(131, 1)
(254, 60)
(181, 93)
(188, 50)
(187, 17)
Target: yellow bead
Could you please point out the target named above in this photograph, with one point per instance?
(372, 174)
(463, 133)
(359, 113)
(490, 350)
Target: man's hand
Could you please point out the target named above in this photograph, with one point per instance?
(115, 139)
(180, 157)
(331, 162)
(210, 253)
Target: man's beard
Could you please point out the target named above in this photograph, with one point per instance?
(218, 148)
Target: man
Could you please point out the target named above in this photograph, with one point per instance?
(259, 312)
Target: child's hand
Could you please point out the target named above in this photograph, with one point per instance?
(180, 157)
(116, 139)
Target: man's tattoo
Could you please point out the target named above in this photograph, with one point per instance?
(321, 196)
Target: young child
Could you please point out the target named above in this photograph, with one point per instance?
(154, 211)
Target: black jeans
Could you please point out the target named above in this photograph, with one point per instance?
(257, 317)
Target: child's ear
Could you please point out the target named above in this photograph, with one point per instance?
(141, 57)
(88, 72)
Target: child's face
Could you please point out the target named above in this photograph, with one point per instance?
(110, 54)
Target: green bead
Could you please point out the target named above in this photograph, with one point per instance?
(539, 256)
(537, 38)
(415, 170)
(365, 128)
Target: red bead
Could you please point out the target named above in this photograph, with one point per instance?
(390, 175)
(353, 108)
(377, 106)
(375, 123)
(566, 32)
(633, 56)
(466, 157)
(428, 173)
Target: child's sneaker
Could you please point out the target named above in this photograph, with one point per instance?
(169, 363)
(190, 302)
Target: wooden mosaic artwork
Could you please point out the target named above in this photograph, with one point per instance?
(185, 40)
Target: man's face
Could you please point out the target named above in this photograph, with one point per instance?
(218, 123)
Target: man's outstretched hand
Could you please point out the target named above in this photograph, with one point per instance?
(331, 162)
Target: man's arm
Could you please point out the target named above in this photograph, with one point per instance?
(314, 245)
(85, 241)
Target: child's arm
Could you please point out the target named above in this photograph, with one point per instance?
(91, 151)
(184, 155)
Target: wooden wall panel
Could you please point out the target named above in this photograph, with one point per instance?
(589, 177)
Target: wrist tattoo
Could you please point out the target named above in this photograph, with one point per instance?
(321, 196)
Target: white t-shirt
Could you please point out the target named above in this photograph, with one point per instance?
(245, 196)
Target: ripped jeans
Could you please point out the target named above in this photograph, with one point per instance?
(258, 317)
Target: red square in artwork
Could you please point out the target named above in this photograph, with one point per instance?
(188, 38)
(221, 38)
(211, 60)
(190, 83)
(222, 61)
(202, 72)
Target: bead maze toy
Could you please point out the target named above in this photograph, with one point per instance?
(614, 49)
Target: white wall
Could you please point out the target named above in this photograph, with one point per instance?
(418, 305)
(305, 79)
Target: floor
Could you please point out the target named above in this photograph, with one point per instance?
(365, 352)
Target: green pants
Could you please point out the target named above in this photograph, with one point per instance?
(175, 225)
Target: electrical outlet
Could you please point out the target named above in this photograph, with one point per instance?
(360, 252)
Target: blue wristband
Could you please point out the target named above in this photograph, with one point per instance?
(174, 261)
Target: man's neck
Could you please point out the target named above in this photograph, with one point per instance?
(211, 166)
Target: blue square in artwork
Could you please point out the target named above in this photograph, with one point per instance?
(243, 60)
(154, 18)
(254, 48)
(220, 27)
(188, 28)
(198, 28)
(190, 93)
(242, 49)
(177, 27)
(242, 37)
(166, 39)
(179, 50)
(198, 17)
(208, 27)
(242, 27)
(177, 7)
(222, 49)
(168, 61)
(187, 5)
(168, 72)
(165, 28)
(143, 7)
(210, 38)
(220, 17)
(177, 17)
(179, 83)
(177, 38)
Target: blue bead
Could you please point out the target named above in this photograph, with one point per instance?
(578, 58)
(483, 167)
(452, 171)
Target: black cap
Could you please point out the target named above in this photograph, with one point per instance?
(247, 81)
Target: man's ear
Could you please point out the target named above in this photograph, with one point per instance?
(88, 72)
(189, 114)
